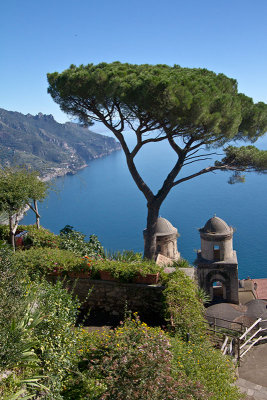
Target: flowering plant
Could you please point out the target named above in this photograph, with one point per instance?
(134, 362)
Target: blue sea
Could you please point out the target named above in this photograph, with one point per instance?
(103, 199)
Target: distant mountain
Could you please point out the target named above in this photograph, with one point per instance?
(47, 146)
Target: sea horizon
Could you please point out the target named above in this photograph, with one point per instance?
(102, 199)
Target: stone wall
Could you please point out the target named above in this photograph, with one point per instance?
(111, 297)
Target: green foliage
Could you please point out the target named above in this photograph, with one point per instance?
(183, 307)
(42, 261)
(125, 271)
(18, 187)
(182, 97)
(134, 361)
(202, 363)
(55, 334)
(246, 158)
(202, 295)
(38, 339)
(73, 240)
(125, 255)
(182, 263)
(19, 317)
(156, 103)
(39, 237)
(4, 232)
(14, 302)
(35, 237)
(48, 358)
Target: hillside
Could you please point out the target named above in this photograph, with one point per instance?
(48, 146)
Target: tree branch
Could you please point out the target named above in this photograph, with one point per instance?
(129, 158)
(140, 144)
(33, 209)
(200, 159)
(206, 170)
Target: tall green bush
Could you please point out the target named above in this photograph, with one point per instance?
(183, 308)
(73, 240)
(202, 363)
(19, 316)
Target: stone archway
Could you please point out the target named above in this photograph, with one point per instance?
(222, 291)
(218, 291)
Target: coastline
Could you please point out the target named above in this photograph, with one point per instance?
(59, 172)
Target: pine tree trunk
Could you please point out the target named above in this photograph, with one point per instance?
(150, 237)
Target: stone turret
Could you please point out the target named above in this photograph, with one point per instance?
(216, 240)
(166, 239)
(217, 267)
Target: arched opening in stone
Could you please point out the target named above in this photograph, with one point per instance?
(218, 290)
(217, 285)
(216, 253)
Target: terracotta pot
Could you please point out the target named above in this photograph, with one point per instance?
(106, 276)
(79, 274)
(149, 279)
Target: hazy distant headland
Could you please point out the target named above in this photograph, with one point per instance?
(47, 146)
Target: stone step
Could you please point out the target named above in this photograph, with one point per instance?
(256, 392)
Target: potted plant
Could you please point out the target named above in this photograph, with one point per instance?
(135, 271)
(113, 270)
(83, 270)
(148, 273)
(106, 275)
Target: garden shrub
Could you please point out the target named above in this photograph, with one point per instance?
(39, 237)
(18, 318)
(13, 303)
(4, 232)
(125, 255)
(41, 261)
(38, 340)
(35, 237)
(183, 308)
(56, 338)
(125, 271)
(134, 361)
(202, 363)
(182, 263)
(74, 241)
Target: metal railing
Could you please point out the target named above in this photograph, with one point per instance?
(237, 342)
(251, 336)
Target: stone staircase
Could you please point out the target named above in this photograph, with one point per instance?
(253, 391)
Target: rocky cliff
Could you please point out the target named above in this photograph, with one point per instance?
(48, 146)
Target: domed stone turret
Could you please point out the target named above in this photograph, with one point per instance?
(164, 227)
(216, 226)
(216, 240)
(217, 260)
(166, 239)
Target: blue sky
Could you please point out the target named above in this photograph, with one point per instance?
(37, 37)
